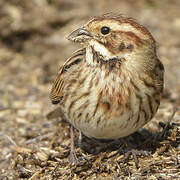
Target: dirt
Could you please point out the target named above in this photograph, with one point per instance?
(33, 44)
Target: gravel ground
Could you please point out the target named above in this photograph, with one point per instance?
(32, 46)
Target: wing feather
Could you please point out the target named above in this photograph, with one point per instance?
(58, 85)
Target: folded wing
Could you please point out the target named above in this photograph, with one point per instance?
(58, 85)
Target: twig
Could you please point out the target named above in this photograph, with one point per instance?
(9, 138)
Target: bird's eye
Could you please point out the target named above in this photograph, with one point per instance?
(105, 30)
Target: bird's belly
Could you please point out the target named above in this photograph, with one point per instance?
(102, 110)
(105, 128)
(107, 120)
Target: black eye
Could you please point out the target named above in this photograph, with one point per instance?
(105, 30)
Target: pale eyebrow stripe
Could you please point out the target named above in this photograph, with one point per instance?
(124, 25)
(127, 27)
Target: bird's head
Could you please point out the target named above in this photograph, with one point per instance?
(113, 36)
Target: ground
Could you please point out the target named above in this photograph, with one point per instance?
(32, 46)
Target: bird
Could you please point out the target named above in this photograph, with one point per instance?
(112, 86)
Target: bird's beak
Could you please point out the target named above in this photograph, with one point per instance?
(80, 35)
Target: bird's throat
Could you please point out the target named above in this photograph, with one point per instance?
(95, 51)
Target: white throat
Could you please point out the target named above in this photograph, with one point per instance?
(89, 56)
(101, 50)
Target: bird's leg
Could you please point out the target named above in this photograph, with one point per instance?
(80, 139)
(72, 158)
(131, 150)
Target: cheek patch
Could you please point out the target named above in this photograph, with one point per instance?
(121, 46)
(130, 47)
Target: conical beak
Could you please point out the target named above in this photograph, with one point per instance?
(79, 35)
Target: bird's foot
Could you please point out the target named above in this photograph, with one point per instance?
(135, 154)
(73, 158)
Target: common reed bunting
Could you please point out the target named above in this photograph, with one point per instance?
(113, 86)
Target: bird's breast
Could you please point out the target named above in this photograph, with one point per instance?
(96, 103)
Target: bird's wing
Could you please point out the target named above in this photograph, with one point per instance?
(58, 85)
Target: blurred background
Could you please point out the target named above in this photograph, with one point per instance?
(33, 44)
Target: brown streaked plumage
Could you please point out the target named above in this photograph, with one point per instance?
(111, 87)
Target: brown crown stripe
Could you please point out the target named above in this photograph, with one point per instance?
(138, 27)
(123, 19)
